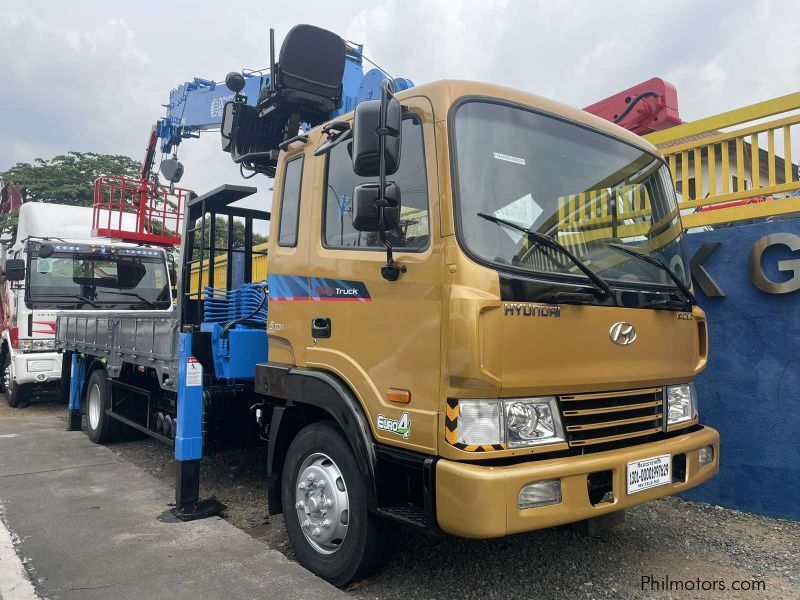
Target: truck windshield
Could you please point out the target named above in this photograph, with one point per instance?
(585, 189)
(107, 281)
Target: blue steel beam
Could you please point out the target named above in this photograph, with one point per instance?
(197, 105)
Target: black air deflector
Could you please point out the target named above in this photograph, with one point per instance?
(312, 59)
(305, 87)
(308, 75)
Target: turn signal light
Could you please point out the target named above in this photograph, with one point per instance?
(399, 396)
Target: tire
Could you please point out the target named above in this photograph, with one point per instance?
(100, 427)
(340, 553)
(17, 394)
(4, 362)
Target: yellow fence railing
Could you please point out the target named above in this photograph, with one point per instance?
(737, 165)
(221, 268)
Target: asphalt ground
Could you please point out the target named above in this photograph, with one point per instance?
(694, 545)
(87, 524)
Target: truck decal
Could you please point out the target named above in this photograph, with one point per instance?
(48, 327)
(294, 288)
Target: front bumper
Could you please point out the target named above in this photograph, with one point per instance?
(481, 501)
(37, 367)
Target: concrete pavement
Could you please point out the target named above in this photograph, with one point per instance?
(89, 524)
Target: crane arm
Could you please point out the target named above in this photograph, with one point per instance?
(644, 108)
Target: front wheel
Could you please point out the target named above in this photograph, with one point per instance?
(16, 393)
(330, 528)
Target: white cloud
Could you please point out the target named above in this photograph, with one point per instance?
(94, 77)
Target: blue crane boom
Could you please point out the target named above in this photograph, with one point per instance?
(197, 105)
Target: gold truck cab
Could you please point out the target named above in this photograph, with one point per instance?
(524, 355)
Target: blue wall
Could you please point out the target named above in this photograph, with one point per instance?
(750, 391)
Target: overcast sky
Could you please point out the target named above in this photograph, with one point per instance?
(92, 75)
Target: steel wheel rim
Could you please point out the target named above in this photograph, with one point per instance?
(322, 503)
(94, 406)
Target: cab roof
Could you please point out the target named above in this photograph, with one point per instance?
(443, 94)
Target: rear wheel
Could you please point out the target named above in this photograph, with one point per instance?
(100, 427)
(16, 393)
(330, 528)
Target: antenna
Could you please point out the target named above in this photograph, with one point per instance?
(272, 59)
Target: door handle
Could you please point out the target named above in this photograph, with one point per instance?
(320, 327)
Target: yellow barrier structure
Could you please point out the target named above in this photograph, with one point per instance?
(743, 154)
(221, 268)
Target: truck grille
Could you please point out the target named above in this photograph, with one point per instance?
(606, 417)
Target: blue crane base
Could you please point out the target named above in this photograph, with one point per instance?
(189, 438)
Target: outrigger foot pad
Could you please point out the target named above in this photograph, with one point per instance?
(74, 420)
(191, 511)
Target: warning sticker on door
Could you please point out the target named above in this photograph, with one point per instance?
(194, 372)
(522, 211)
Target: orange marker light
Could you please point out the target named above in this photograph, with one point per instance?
(399, 396)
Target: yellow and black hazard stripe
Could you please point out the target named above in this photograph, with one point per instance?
(451, 431)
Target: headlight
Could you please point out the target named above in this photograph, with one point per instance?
(681, 403)
(517, 422)
(532, 421)
(37, 345)
(480, 422)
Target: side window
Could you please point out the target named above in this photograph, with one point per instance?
(290, 203)
(412, 232)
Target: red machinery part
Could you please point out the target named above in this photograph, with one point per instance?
(644, 108)
(137, 211)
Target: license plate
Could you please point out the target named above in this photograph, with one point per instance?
(649, 473)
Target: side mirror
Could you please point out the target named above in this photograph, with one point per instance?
(172, 170)
(173, 276)
(366, 213)
(226, 126)
(366, 139)
(15, 269)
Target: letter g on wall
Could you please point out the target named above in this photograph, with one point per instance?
(757, 275)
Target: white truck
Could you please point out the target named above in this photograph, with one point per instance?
(55, 263)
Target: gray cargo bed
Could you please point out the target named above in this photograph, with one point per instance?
(144, 337)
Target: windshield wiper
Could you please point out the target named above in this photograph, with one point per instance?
(548, 242)
(658, 263)
(76, 296)
(134, 295)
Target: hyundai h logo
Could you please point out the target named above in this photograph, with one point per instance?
(622, 333)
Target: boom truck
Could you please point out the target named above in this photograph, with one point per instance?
(478, 318)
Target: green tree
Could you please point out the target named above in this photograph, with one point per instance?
(68, 178)
(221, 236)
(63, 179)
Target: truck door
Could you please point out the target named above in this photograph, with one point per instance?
(382, 335)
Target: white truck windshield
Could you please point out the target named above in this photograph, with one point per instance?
(112, 281)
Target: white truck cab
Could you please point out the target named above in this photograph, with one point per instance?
(54, 263)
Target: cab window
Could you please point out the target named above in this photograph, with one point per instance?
(290, 203)
(412, 232)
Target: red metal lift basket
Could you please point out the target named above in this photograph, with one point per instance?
(137, 211)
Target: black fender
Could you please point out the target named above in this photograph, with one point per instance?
(295, 387)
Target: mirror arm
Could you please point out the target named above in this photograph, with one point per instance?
(390, 271)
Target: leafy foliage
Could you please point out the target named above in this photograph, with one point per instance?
(63, 179)
(8, 225)
(68, 178)
(221, 236)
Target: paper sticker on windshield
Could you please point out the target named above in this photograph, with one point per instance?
(507, 157)
(523, 211)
